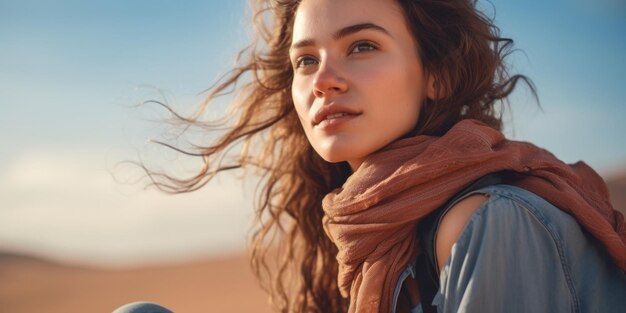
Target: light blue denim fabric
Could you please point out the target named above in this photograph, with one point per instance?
(519, 253)
(409, 271)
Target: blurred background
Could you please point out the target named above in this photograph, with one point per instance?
(77, 235)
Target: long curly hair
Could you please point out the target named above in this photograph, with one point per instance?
(290, 253)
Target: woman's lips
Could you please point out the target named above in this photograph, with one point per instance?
(334, 121)
(333, 114)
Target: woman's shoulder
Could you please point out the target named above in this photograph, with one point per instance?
(501, 209)
(458, 214)
(499, 204)
(518, 207)
(516, 237)
(453, 222)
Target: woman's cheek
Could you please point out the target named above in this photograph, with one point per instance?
(299, 101)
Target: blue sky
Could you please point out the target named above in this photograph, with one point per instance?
(70, 71)
(69, 64)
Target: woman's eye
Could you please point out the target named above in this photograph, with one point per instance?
(305, 61)
(362, 47)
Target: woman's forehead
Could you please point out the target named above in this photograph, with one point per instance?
(324, 18)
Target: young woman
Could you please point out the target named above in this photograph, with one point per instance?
(388, 186)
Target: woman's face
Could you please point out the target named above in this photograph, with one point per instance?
(358, 80)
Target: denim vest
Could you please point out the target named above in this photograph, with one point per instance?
(517, 253)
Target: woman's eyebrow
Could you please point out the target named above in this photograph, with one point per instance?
(348, 30)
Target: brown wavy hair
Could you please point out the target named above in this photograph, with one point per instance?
(290, 253)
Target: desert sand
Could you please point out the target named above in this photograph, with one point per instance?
(218, 285)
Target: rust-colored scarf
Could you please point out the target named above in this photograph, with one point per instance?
(372, 218)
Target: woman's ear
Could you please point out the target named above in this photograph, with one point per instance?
(431, 92)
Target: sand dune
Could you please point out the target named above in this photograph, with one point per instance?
(221, 285)
(617, 189)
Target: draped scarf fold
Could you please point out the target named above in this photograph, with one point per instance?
(372, 218)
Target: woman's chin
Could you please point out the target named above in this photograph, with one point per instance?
(353, 160)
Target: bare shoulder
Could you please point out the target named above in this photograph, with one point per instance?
(452, 225)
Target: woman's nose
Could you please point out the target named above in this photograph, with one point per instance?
(328, 81)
